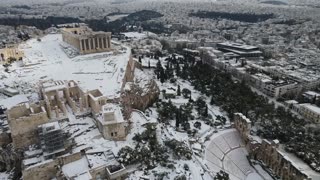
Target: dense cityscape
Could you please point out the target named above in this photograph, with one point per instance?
(157, 90)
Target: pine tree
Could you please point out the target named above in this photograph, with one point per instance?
(178, 91)
(162, 76)
(140, 61)
(190, 98)
(205, 113)
(212, 101)
(158, 70)
(164, 93)
(159, 65)
(178, 69)
(221, 175)
(177, 118)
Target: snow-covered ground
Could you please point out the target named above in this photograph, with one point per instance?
(45, 60)
(4, 176)
(224, 150)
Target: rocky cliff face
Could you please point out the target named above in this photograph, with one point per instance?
(141, 92)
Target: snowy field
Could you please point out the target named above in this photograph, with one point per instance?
(46, 60)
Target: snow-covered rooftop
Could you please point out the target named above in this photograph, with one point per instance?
(111, 109)
(311, 107)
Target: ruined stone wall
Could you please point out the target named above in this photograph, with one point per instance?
(136, 97)
(101, 171)
(243, 125)
(96, 103)
(24, 129)
(72, 40)
(139, 98)
(118, 128)
(276, 161)
(129, 73)
(48, 169)
(5, 139)
(267, 152)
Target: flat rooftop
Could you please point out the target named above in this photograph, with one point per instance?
(311, 107)
(237, 45)
(111, 108)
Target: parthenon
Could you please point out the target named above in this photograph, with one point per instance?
(87, 41)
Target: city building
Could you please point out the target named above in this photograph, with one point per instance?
(87, 41)
(279, 88)
(239, 49)
(311, 96)
(310, 112)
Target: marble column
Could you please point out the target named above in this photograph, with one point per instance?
(109, 42)
(89, 43)
(105, 42)
(96, 43)
(100, 43)
(80, 45)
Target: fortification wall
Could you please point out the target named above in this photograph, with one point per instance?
(24, 129)
(267, 152)
(48, 169)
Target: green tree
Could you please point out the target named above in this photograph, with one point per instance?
(221, 175)
(178, 91)
(212, 100)
(178, 69)
(140, 61)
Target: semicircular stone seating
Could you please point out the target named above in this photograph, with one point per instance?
(226, 151)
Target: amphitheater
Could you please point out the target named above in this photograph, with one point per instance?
(226, 151)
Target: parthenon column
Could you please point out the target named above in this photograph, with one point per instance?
(96, 42)
(89, 42)
(106, 41)
(93, 43)
(109, 42)
(100, 43)
(80, 41)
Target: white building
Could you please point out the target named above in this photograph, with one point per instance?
(111, 123)
(310, 112)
